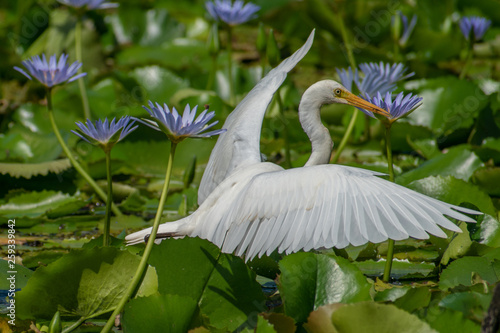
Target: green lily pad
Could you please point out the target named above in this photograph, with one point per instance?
(28, 170)
(461, 272)
(159, 313)
(83, 283)
(449, 104)
(400, 269)
(35, 204)
(224, 288)
(454, 191)
(309, 280)
(20, 273)
(450, 321)
(459, 162)
(374, 317)
(487, 179)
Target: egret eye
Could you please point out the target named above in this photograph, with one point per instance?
(337, 92)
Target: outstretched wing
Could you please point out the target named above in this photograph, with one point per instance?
(326, 206)
(240, 145)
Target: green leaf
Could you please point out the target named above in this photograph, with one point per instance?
(83, 283)
(400, 269)
(459, 245)
(222, 285)
(470, 303)
(22, 275)
(459, 162)
(263, 326)
(449, 321)
(449, 104)
(35, 204)
(376, 318)
(454, 191)
(461, 272)
(159, 313)
(28, 170)
(487, 179)
(310, 280)
(486, 231)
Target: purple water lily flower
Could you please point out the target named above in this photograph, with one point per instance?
(401, 106)
(104, 133)
(51, 73)
(377, 77)
(407, 28)
(89, 4)
(178, 127)
(475, 25)
(231, 13)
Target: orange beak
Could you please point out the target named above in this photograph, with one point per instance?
(361, 103)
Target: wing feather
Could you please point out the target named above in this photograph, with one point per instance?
(325, 206)
(240, 144)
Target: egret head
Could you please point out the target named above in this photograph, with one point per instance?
(337, 93)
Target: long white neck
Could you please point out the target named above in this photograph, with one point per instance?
(309, 116)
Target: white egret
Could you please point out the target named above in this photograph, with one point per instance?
(250, 208)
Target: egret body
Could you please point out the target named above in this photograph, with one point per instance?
(251, 208)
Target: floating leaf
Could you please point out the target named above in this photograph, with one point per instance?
(459, 245)
(159, 313)
(449, 103)
(22, 275)
(310, 280)
(376, 318)
(28, 170)
(449, 321)
(461, 272)
(320, 320)
(487, 179)
(35, 204)
(222, 285)
(83, 283)
(400, 269)
(454, 191)
(459, 162)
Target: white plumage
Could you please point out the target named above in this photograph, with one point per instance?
(252, 208)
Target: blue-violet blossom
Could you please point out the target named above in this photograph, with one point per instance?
(474, 24)
(104, 133)
(377, 77)
(401, 106)
(231, 13)
(90, 4)
(52, 72)
(178, 127)
(407, 28)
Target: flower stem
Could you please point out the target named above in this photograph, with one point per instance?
(211, 75)
(468, 60)
(286, 138)
(139, 274)
(72, 159)
(109, 199)
(352, 62)
(390, 249)
(74, 325)
(345, 138)
(81, 82)
(230, 63)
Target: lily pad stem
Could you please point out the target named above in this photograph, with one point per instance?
(110, 198)
(352, 62)
(390, 248)
(139, 274)
(72, 159)
(74, 325)
(81, 82)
